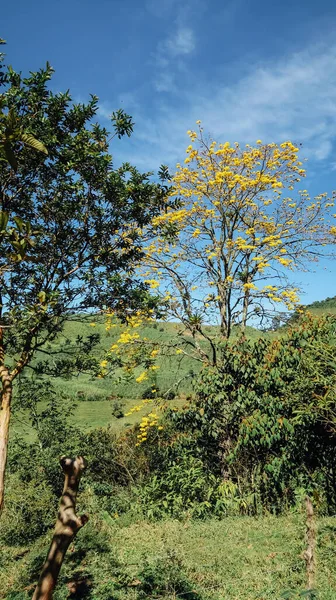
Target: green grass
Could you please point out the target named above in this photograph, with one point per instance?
(238, 558)
(89, 415)
(234, 559)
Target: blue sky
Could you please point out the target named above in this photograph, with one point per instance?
(249, 69)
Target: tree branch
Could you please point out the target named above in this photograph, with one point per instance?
(67, 526)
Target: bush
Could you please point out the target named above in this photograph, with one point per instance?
(118, 409)
(183, 488)
(106, 455)
(151, 392)
(30, 510)
(265, 418)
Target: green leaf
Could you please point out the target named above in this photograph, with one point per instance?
(19, 223)
(31, 141)
(10, 156)
(3, 221)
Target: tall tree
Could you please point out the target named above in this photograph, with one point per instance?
(77, 222)
(227, 252)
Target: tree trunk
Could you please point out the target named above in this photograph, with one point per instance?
(67, 526)
(245, 310)
(6, 398)
(223, 307)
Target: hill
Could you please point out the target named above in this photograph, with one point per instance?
(95, 397)
(320, 307)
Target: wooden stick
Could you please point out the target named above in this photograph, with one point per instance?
(309, 553)
(67, 526)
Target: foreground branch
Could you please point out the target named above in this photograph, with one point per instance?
(67, 526)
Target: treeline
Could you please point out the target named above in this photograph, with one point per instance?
(326, 303)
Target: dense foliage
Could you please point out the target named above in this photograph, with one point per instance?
(266, 418)
(70, 225)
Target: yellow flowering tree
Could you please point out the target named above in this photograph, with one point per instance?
(228, 249)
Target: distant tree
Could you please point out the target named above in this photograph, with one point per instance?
(226, 251)
(77, 222)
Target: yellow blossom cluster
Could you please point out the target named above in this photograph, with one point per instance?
(128, 345)
(146, 423)
(138, 407)
(142, 377)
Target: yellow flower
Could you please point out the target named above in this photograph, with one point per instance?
(178, 351)
(142, 377)
(152, 283)
(249, 286)
(285, 261)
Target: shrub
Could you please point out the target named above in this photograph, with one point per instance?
(151, 392)
(30, 510)
(118, 409)
(184, 487)
(265, 417)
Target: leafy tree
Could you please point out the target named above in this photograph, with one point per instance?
(227, 250)
(83, 239)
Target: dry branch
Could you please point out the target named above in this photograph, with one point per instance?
(67, 526)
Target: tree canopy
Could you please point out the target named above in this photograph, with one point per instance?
(227, 251)
(74, 224)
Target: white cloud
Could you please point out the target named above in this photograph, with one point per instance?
(292, 99)
(182, 42)
(170, 55)
(165, 82)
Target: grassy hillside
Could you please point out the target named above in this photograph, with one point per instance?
(327, 304)
(172, 368)
(321, 307)
(94, 397)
